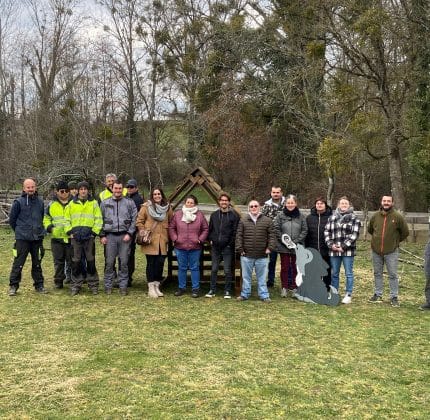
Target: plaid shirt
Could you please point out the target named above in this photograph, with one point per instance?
(271, 209)
(342, 230)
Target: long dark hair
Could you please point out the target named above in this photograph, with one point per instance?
(163, 196)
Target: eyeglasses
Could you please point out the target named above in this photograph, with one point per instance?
(131, 186)
(63, 191)
(253, 206)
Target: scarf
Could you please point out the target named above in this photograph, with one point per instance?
(189, 214)
(254, 218)
(291, 213)
(157, 212)
(344, 217)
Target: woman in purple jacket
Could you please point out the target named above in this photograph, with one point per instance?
(188, 229)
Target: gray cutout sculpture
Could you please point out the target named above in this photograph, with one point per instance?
(310, 269)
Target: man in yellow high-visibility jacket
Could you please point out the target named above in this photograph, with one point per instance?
(83, 224)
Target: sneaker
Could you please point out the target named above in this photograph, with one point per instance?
(395, 301)
(210, 294)
(179, 292)
(195, 293)
(12, 290)
(375, 299)
(284, 292)
(266, 300)
(41, 290)
(241, 298)
(425, 307)
(227, 295)
(347, 299)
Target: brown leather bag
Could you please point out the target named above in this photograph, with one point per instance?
(144, 236)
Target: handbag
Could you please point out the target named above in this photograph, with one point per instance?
(144, 236)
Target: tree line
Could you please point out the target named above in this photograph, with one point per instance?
(319, 97)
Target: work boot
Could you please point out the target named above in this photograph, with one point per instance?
(151, 290)
(157, 289)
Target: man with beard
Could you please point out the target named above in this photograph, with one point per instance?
(388, 228)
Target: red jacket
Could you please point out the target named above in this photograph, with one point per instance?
(188, 236)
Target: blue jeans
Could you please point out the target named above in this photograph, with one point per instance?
(272, 268)
(248, 265)
(188, 259)
(348, 264)
(391, 262)
(226, 255)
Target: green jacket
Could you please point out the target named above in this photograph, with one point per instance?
(85, 214)
(54, 220)
(388, 229)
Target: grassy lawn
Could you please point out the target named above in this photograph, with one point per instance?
(133, 357)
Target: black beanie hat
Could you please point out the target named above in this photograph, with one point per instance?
(84, 184)
(62, 185)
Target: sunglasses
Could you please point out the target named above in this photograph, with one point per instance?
(63, 191)
(253, 206)
(131, 186)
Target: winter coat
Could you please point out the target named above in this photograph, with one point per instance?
(160, 232)
(26, 217)
(293, 225)
(188, 236)
(119, 216)
(222, 228)
(388, 229)
(343, 230)
(138, 200)
(253, 238)
(316, 223)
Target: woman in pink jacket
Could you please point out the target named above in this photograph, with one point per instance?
(188, 229)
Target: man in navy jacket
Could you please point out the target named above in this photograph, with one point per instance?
(26, 219)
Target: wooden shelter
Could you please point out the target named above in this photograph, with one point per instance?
(200, 178)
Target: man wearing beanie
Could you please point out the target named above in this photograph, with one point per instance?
(54, 222)
(83, 223)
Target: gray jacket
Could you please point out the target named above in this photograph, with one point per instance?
(119, 216)
(296, 227)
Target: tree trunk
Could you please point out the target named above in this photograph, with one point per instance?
(395, 167)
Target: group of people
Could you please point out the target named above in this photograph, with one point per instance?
(74, 219)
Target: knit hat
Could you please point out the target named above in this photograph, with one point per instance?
(73, 185)
(83, 184)
(62, 185)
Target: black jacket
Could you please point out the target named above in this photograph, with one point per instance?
(222, 228)
(316, 223)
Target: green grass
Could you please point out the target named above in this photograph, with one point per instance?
(133, 357)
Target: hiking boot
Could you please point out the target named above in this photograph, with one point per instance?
(41, 290)
(395, 302)
(425, 307)
(123, 291)
(284, 292)
(180, 292)
(347, 299)
(227, 295)
(375, 299)
(210, 294)
(195, 293)
(241, 298)
(12, 290)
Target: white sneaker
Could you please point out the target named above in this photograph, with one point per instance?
(284, 292)
(347, 299)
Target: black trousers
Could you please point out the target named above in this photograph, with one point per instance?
(61, 254)
(21, 250)
(87, 249)
(154, 267)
